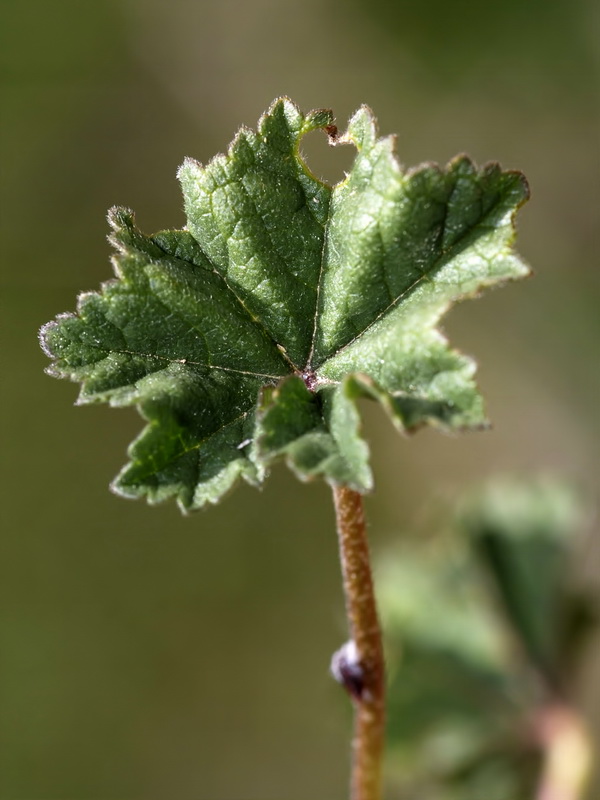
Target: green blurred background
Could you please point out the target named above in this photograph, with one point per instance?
(146, 655)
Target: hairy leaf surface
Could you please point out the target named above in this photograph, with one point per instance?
(250, 335)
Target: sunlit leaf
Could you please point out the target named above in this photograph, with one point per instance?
(249, 335)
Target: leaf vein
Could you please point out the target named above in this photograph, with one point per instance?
(256, 320)
(318, 298)
(440, 261)
(185, 362)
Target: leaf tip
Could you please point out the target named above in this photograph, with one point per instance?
(320, 118)
(43, 335)
(120, 217)
(523, 184)
(281, 107)
(362, 129)
(189, 169)
(121, 490)
(282, 104)
(46, 333)
(461, 164)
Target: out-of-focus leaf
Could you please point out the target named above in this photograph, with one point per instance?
(462, 695)
(449, 656)
(524, 532)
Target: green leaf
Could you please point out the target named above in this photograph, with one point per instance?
(459, 691)
(250, 335)
(516, 525)
(482, 619)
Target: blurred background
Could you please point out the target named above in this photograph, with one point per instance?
(147, 655)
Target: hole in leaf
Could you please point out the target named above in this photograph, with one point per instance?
(329, 164)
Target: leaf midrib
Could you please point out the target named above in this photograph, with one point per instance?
(440, 262)
(182, 361)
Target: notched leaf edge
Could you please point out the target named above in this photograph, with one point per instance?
(316, 451)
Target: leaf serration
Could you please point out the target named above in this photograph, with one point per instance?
(283, 301)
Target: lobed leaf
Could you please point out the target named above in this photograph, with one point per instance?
(249, 335)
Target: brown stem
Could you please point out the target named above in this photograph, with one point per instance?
(361, 611)
(567, 754)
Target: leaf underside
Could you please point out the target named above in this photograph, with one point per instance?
(250, 334)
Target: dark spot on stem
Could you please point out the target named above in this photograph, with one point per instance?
(348, 671)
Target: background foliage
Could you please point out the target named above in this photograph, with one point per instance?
(486, 628)
(145, 654)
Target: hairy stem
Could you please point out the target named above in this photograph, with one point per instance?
(361, 610)
(567, 754)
